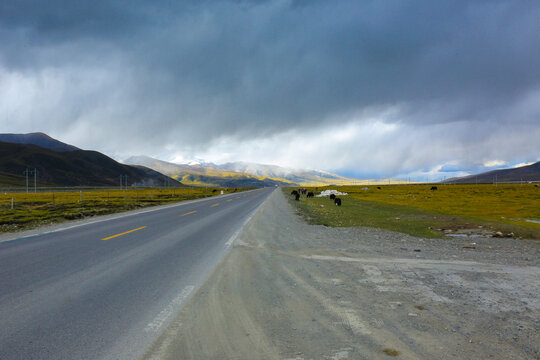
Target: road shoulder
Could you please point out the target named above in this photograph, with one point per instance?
(288, 290)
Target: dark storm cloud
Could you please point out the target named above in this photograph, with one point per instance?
(194, 72)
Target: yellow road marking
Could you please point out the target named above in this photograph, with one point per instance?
(229, 200)
(216, 204)
(124, 233)
(191, 212)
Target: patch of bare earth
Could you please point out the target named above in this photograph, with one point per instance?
(289, 290)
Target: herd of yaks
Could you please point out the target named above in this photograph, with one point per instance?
(310, 194)
(337, 201)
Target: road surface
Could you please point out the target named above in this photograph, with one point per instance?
(105, 290)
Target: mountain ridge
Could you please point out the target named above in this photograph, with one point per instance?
(207, 175)
(70, 168)
(39, 139)
(273, 174)
(527, 173)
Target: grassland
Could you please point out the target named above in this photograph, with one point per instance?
(511, 209)
(34, 209)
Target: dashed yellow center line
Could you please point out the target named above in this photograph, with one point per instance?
(191, 212)
(229, 200)
(216, 204)
(124, 233)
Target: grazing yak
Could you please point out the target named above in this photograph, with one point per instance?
(310, 194)
(433, 188)
(332, 196)
(337, 201)
(378, 187)
(297, 197)
(294, 192)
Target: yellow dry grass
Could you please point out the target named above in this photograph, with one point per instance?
(33, 209)
(508, 203)
(511, 210)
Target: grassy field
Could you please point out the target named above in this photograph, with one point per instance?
(419, 211)
(34, 209)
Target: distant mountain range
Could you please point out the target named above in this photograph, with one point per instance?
(522, 173)
(205, 174)
(238, 173)
(60, 164)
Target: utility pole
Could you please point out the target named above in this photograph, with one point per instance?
(26, 172)
(121, 182)
(35, 179)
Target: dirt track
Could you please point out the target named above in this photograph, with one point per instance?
(289, 290)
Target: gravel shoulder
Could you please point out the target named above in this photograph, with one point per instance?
(289, 290)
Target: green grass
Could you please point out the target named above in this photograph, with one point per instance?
(415, 210)
(34, 209)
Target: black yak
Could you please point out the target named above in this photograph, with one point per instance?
(337, 201)
(332, 196)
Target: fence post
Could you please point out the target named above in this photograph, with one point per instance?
(80, 197)
(11, 203)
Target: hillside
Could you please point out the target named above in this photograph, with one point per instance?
(523, 173)
(207, 175)
(39, 139)
(70, 168)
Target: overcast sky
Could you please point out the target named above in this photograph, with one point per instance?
(362, 88)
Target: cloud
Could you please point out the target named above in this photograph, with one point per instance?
(405, 86)
(495, 163)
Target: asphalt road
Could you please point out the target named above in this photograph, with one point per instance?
(105, 290)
